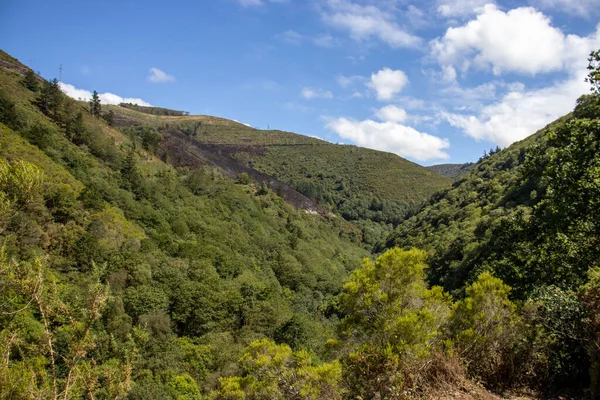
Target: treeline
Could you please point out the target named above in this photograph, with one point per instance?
(154, 110)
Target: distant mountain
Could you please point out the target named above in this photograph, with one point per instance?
(452, 171)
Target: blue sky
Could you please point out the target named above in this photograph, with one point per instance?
(433, 81)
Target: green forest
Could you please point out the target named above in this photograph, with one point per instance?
(127, 273)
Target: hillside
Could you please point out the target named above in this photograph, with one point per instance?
(528, 215)
(186, 253)
(453, 171)
(372, 189)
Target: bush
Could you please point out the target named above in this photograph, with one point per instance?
(485, 328)
(244, 179)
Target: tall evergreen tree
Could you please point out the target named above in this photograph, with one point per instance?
(30, 81)
(50, 99)
(95, 107)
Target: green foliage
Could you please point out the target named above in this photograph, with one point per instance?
(590, 300)
(8, 112)
(201, 268)
(594, 75)
(373, 189)
(272, 371)
(148, 137)
(185, 253)
(561, 317)
(109, 117)
(94, 104)
(244, 179)
(393, 319)
(153, 110)
(485, 329)
(50, 99)
(30, 81)
(453, 171)
(527, 213)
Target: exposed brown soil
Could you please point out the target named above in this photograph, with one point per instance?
(184, 151)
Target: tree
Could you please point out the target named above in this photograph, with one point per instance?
(30, 81)
(594, 67)
(75, 128)
(109, 117)
(590, 298)
(58, 330)
(393, 319)
(94, 103)
(484, 327)
(8, 112)
(50, 99)
(272, 371)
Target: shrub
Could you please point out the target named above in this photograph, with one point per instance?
(485, 328)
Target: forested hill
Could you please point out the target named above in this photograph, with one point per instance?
(528, 213)
(453, 171)
(129, 258)
(372, 189)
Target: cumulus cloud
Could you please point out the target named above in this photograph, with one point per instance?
(367, 22)
(158, 76)
(521, 40)
(392, 137)
(391, 113)
(105, 98)
(310, 93)
(521, 111)
(387, 83)
(460, 8)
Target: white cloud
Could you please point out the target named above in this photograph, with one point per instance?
(105, 98)
(310, 93)
(522, 111)
(158, 76)
(349, 81)
(392, 137)
(391, 113)
(292, 37)
(460, 8)
(583, 8)
(520, 40)
(387, 83)
(367, 22)
(519, 113)
(324, 40)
